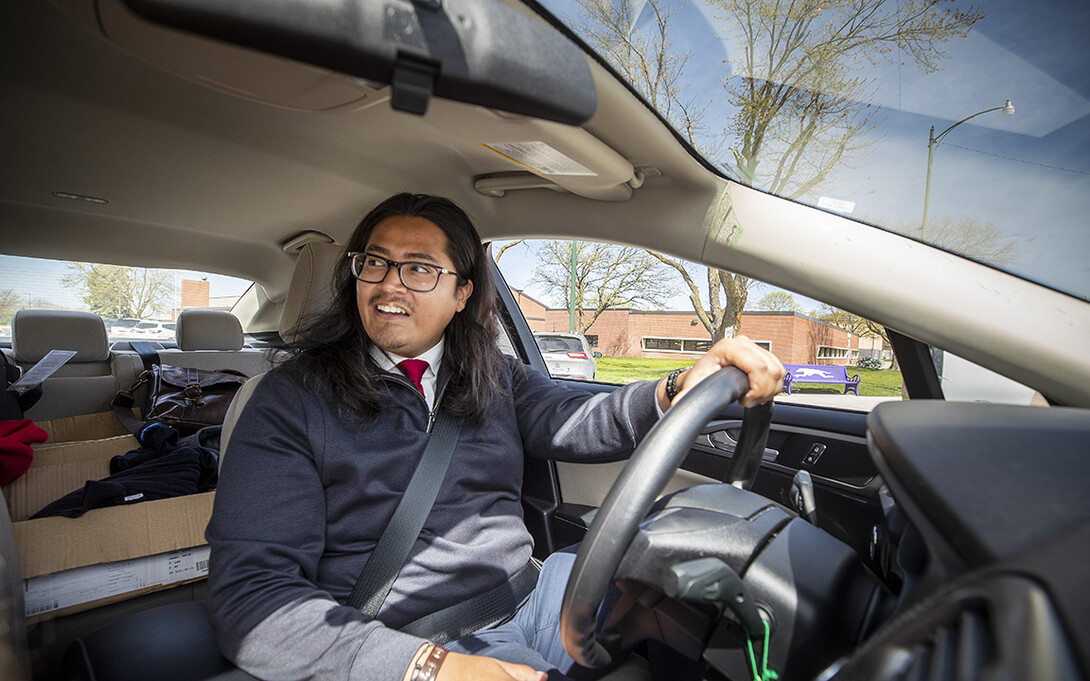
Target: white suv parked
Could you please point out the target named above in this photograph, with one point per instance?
(567, 355)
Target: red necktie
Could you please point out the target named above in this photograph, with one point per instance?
(414, 369)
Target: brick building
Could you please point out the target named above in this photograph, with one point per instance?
(196, 294)
(791, 336)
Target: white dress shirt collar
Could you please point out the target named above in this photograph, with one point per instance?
(388, 361)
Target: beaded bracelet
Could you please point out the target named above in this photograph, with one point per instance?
(671, 383)
(428, 668)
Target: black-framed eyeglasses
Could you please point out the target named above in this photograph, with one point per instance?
(416, 276)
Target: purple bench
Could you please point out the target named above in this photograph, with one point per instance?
(812, 373)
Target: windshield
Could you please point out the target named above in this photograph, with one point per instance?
(961, 125)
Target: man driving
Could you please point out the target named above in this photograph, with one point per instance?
(327, 445)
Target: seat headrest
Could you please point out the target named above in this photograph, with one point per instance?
(35, 332)
(208, 330)
(311, 289)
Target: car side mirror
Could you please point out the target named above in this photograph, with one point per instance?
(597, 355)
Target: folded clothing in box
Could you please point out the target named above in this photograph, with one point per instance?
(163, 467)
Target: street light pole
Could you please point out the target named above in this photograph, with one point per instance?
(571, 288)
(933, 140)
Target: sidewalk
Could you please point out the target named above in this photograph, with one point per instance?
(849, 402)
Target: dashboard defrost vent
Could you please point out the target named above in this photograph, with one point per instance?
(956, 650)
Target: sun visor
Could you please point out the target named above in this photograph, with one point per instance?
(240, 72)
(475, 51)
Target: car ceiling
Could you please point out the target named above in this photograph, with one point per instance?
(197, 177)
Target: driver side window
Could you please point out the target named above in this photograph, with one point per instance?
(632, 317)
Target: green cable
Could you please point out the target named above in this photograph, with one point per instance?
(764, 674)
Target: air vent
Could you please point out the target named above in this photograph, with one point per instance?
(954, 651)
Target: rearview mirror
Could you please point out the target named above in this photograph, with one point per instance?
(475, 51)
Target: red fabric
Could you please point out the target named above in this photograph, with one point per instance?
(414, 369)
(15, 451)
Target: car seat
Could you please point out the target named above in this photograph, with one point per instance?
(213, 340)
(87, 383)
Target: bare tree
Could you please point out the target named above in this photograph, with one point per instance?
(606, 276)
(969, 237)
(779, 301)
(503, 249)
(9, 305)
(842, 319)
(864, 328)
(117, 291)
(796, 86)
(800, 99)
(646, 58)
(727, 296)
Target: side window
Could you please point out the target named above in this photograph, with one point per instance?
(633, 318)
(634, 313)
(135, 303)
(964, 381)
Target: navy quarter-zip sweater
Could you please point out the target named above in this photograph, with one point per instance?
(304, 495)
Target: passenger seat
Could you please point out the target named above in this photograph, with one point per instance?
(213, 339)
(310, 292)
(87, 383)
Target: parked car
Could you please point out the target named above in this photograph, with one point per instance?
(567, 355)
(153, 330)
(121, 328)
(929, 535)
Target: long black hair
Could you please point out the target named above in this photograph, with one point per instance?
(333, 347)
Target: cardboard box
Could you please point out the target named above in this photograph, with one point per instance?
(55, 552)
(63, 593)
(104, 535)
(83, 427)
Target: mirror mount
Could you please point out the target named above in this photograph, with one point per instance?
(413, 84)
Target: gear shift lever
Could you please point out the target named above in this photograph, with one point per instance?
(802, 496)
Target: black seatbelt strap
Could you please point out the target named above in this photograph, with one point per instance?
(392, 550)
(123, 401)
(148, 354)
(483, 610)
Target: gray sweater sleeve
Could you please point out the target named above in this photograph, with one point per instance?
(310, 639)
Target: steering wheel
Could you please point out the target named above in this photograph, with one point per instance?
(634, 492)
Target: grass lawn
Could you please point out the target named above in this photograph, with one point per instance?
(622, 370)
(629, 369)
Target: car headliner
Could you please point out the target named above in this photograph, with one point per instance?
(212, 156)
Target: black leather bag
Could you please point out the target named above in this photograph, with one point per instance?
(189, 399)
(180, 397)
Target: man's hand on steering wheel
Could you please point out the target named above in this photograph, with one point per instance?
(762, 368)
